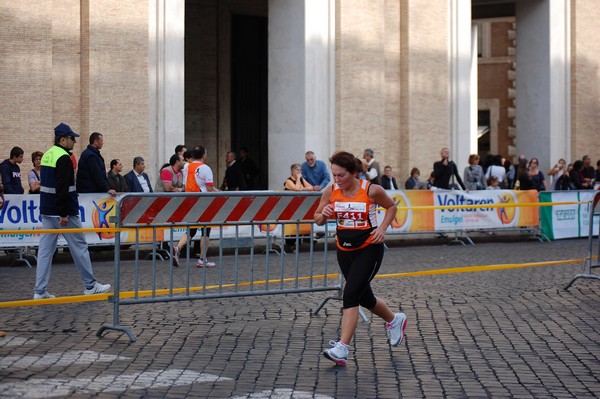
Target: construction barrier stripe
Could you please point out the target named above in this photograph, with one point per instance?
(291, 209)
(264, 210)
(211, 211)
(239, 210)
(144, 293)
(186, 205)
(311, 212)
(128, 204)
(150, 214)
(258, 207)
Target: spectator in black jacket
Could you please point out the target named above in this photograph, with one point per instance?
(588, 173)
(446, 169)
(11, 172)
(388, 182)
(116, 181)
(576, 178)
(249, 169)
(91, 170)
(234, 177)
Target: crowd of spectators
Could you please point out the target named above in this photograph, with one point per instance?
(242, 173)
(492, 172)
(497, 172)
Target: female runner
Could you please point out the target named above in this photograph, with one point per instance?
(352, 202)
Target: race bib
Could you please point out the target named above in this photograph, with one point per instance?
(350, 207)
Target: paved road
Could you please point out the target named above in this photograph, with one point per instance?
(507, 333)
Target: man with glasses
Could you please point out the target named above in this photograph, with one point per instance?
(59, 209)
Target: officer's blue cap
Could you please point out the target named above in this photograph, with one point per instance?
(64, 130)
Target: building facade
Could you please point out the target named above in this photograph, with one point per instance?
(280, 77)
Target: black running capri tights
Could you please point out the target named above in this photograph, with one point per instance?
(359, 268)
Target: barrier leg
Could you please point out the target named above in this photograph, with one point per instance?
(456, 240)
(324, 301)
(339, 297)
(126, 330)
(587, 273)
(117, 286)
(115, 326)
(26, 260)
(588, 266)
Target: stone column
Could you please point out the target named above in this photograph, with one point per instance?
(300, 84)
(543, 80)
(463, 84)
(166, 69)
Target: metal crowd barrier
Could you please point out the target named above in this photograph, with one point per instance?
(244, 273)
(592, 259)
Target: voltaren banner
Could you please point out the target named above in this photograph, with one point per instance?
(479, 217)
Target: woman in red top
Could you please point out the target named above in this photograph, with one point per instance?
(352, 203)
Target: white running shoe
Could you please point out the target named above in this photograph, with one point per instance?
(45, 295)
(396, 330)
(337, 354)
(97, 289)
(205, 263)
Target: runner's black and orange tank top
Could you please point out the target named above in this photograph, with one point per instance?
(355, 217)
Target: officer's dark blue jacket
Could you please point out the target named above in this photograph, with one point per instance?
(58, 196)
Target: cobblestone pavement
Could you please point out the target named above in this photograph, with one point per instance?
(504, 333)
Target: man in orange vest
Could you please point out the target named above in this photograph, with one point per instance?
(198, 177)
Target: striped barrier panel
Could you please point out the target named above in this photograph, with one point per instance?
(217, 208)
(262, 273)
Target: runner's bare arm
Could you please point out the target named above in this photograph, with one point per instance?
(380, 197)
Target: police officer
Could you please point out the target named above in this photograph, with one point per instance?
(59, 209)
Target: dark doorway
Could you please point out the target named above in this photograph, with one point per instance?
(249, 90)
(483, 133)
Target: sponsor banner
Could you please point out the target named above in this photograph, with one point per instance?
(485, 218)
(409, 220)
(22, 212)
(567, 221)
(465, 218)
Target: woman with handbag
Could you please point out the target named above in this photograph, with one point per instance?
(474, 177)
